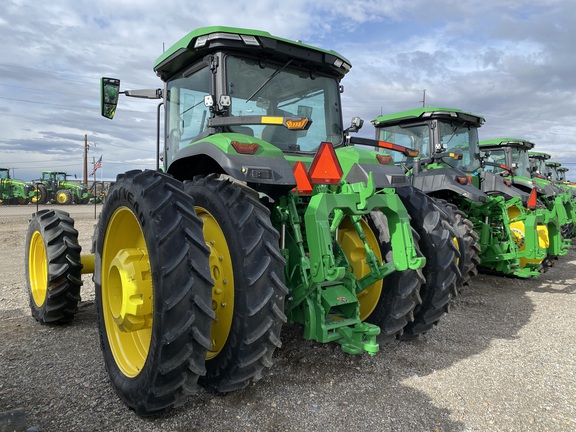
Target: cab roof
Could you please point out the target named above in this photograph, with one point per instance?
(539, 155)
(506, 142)
(206, 40)
(424, 113)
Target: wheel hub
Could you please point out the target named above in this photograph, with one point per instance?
(130, 291)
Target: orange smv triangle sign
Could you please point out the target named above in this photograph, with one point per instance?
(325, 167)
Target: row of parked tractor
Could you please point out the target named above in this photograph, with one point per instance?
(52, 187)
(268, 211)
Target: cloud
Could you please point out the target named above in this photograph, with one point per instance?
(506, 60)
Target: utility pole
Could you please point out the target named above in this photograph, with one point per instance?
(423, 99)
(85, 177)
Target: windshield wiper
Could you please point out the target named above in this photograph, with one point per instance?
(276, 72)
(458, 126)
(309, 95)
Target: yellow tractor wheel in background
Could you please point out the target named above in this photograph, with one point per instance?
(53, 267)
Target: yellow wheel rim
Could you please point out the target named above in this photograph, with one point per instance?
(127, 292)
(457, 244)
(61, 198)
(355, 252)
(38, 269)
(223, 275)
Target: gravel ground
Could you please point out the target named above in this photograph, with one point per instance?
(504, 359)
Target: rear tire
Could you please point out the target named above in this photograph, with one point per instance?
(53, 267)
(468, 245)
(247, 267)
(400, 291)
(64, 197)
(41, 194)
(153, 285)
(441, 270)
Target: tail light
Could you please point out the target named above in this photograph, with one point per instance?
(462, 180)
(245, 148)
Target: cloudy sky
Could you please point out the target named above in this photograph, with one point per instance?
(512, 61)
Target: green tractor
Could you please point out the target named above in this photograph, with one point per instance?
(508, 157)
(540, 173)
(496, 231)
(54, 187)
(560, 175)
(14, 191)
(261, 215)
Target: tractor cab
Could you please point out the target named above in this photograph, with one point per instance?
(561, 174)
(538, 167)
(552, 171)
(441, 136)
(233, 97)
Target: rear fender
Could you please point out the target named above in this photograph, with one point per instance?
(216, 154)
(494, 184)
(444, 179)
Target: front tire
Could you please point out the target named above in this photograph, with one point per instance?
(153, 286)
(249, 291)
(53, 267)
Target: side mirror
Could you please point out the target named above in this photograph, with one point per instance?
(109, 91)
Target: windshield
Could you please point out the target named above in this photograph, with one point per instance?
(415, 137)
(281, 90)
(3, 174)
(498, 157)
(460, 138)
(520, 158)
(538, 166)
(256, 88)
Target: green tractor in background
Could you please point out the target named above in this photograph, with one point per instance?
(14, 191)
(508, 157)
(261, 215)
(559, 173)
(541, 174)
(498, 225)
(54, 187)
